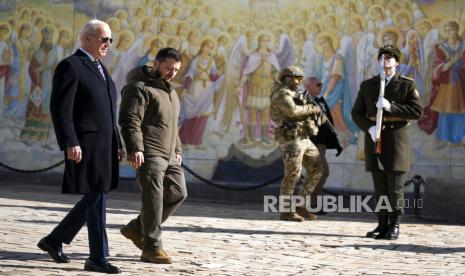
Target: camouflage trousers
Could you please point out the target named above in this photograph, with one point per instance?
(298, 153)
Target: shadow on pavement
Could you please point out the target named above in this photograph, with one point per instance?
(26, 256)
(66, 209)
(404, 248)
(198, 229)
(41, 268)
(129, 203)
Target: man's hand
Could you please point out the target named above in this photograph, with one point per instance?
(383, 103)
(312, 109)
(136, 159)
(179, 158)
(120, 155)
(372, 132)
(74, 153)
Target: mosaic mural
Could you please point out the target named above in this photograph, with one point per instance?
(233, 51)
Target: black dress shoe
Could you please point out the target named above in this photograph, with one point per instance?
(55, 252)
(392, 232)
(373, 234)
(104, 267)
(381, 235)
(380, 231)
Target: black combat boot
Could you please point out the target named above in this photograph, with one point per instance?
(392, 232)
(381, 228)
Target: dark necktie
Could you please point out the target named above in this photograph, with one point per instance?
(99, 67)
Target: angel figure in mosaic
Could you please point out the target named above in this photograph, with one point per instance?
(20, 80)
(249, 82)
(44, 60)
(333, 69)
(197, 98)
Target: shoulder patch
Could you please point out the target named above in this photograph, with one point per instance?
(407, 78)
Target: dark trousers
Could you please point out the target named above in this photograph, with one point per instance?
(390, 184)
(91, 210)
(163, 189)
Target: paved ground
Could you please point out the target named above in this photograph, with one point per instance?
(227, 239)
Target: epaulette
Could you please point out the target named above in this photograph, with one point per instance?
(407, 78)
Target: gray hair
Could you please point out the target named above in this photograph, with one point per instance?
(92, 26)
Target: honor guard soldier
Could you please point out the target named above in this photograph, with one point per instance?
(388, 165)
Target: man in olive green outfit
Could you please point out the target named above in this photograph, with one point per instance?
(400, 104)
(149, 125)
(296, 123)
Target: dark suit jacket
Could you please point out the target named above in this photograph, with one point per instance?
(326, 134)
(395, 136)
(83, 108)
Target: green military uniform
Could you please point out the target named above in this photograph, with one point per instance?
(295, 120)
(389, 167)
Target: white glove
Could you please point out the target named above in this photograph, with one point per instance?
(383, 103)
(372, 132)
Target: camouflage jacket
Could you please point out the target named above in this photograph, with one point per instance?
(294, 116)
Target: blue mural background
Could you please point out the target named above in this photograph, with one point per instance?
(233, 51)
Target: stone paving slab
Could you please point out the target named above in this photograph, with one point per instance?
(227, 239)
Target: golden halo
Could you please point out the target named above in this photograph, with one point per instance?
(183, 24)
(310, 28)
(393, 5)
(66, 29)
(121, 12)
(359, 19)
(423, 20)
(207, 40)
(6, 26)
(374, 7)
(127, 33)
(22, 24)
(297, 30)
(445, 22)
(263, 35)
(53, 29)
(332, 17)
(391, 30)
(224, 35)
(173, 41)
(332, 37)
(405, 12)
(160, 42)
(114, 21)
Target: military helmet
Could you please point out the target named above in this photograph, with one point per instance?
(391, 50)
(291, 71)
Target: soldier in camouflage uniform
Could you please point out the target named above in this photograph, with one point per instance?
(296, 123)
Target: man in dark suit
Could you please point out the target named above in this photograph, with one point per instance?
(400, 104)
(326, 137)
(83, 108)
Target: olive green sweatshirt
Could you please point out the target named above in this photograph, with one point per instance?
(149, 115)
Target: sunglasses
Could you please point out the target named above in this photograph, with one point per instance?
(104, 39)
